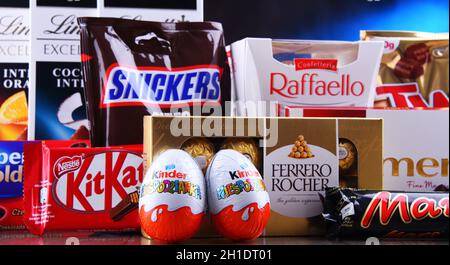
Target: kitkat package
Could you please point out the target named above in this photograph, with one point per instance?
(137, 68)
(81, 188)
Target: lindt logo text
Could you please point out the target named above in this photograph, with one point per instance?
(420, 209)
(310, 84)
(67, 164)
(14, 26)
(100, 183)
(63, 25)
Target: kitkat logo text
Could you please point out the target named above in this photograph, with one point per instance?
(161, 87)
(97, 182)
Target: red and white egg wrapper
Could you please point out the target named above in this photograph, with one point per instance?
(237, 198)
(172, 202)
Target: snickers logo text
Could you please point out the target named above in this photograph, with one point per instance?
(161, 87)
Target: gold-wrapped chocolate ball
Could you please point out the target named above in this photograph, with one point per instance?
(201, 150)
(246, 146)
(347, 154)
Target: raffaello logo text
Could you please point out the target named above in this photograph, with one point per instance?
(161, 87)
(96, 182)
(319, 79)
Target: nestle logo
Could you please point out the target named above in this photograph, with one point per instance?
(66, 164)
(316, 64)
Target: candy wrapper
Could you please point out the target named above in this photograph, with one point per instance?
(172, 203)
(414, 71)
(362, 214)
(237, 198)
(135, 68)
(81, 188)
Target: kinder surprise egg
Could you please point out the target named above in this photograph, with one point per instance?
(172, 198)
(237, 197)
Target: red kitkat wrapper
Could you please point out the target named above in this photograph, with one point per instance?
(73, 189)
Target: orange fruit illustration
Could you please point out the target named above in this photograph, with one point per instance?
(14, 109)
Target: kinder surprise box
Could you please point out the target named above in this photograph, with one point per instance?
(415, 144)
(14, 52)
(164, 11)
(309, 73)
(298, 158)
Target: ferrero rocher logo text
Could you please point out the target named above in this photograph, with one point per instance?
(301, 176)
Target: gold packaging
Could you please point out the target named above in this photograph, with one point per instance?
(419, 57)
(317, 138)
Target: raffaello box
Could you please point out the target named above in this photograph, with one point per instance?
(304, 72)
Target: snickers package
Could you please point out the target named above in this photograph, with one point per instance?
(414, 69)
(135, 68)
(14, 52)
(362, 214)
(81, 188)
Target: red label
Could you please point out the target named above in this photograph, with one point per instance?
(409, 96)
(316, 64)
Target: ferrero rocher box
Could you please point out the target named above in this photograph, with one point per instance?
(298, 158)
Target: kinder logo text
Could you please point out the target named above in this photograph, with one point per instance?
(161, 87)
(99, 183)
(313, 85)
(420, 209)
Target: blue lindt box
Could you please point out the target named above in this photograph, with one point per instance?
(11, 170)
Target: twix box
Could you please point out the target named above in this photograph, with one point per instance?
(14, 52)
(298, 158)
(303, 72)
(57, 106)
(163, 11)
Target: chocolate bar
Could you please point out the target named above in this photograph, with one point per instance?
(409, 69)
(127, 205)
(419, 52)
(384, 214)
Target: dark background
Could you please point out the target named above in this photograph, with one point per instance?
(324, 19)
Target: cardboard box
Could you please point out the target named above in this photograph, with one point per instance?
(308, 73)
(57, 107)
(415, 144)
(164, 11)
(14, 53)
(293, 184)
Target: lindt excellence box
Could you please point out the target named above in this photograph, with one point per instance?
(14, 53)
(304, 72)
(298, 158)
(57, 106)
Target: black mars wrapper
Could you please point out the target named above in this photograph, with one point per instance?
(136, 68)
(362, 214)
